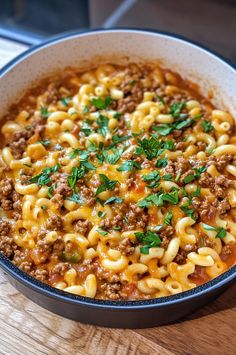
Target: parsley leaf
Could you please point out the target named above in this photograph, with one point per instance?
(129, 165)
(107, 184)
(221, 232)
(149, 239)
(113, 199)
(44, 177)
(86, 128)
(189, 178)
(168, 218)
(176, 108)
(46, 142)
(76, 198)
(159, 198)
(153, 178)
(44, 112)
(86, 110)
(102, 232)
(199, 171)
(188, 211)
(101, 214)
(207, 126)
(102, 122)
(113, 157)
(167, 177)
(65, 101)
(117, 115)
(161, 163)
(101, 104)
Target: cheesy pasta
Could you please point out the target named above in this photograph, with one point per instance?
(118, 183)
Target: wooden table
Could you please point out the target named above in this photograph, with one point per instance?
(27, 329)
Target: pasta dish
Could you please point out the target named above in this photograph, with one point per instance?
(118, 183)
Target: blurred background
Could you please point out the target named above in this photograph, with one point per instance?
(209, 22)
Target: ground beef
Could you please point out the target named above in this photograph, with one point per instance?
(62, 187)
(226, 251)
(217, 185)
(7, 245)
(126, 246)
(201, 146)
(181, 257)
(88, 195)
(5, 227)
(54, 223)
(83, 226)
(205, 241)
(41, 274)
(111, 291)
(220, 162)
(133, 91)
(166, 235)
(19, 139)
(60, 269)
(223, 206)
(204, 208)
(136, 217)
(26, 266)
(9, 198)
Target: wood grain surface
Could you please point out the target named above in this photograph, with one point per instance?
(27, 329)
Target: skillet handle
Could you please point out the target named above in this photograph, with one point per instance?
(22, 37)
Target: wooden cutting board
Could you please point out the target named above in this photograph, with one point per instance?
(27, 329)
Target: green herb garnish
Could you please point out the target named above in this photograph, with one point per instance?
(207, 126)
(106, 184)
(168, 218)
(149, 239)
(129, 165)
(221, 232)
(101, 104)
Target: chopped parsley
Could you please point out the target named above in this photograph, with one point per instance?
(86, 128)
(129, 165)
(207, 126)
(176, 108)
(168, 218)
(43, 207)
(44, 177)
(79, 172)
(152, 178)
(113, 199)
(112, 157)
(188, 211)
(86, 110)
(189, 178)
(65, 101)
(44, 112)
(167, 177)
(106, 184)
(102, 232)
(101, 214)
(165, 128)
(221, 232)
(102, 122)
(50, 191)
(161, 163)
(46, 142)
(117, 115)
(159, 198)
(76, 198)
(161, 100)
(101, 104)
(199, 171)
(149, 239)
